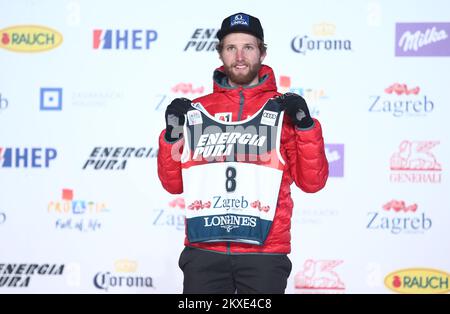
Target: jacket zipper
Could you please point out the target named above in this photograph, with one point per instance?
(241, 104)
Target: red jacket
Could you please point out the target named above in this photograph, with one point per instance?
(303, 151)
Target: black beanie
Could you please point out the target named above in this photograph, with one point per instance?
(241, 23)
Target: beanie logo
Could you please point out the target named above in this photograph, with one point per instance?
(240, 19)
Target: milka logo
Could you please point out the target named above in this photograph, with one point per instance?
(30, 38)
(422, 39)
(414, 41)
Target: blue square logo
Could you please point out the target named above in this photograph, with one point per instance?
(51, 99)
(240, 19)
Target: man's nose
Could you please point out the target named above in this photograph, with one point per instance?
(239, 54)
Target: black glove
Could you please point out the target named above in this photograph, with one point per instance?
(175, 118)
(296, 108)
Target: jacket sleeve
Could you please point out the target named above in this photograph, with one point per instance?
(305, 154)
(169, 164)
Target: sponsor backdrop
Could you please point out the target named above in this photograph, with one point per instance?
(83, 90)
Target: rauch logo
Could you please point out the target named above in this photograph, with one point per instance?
(415, 163)
(418, 280)
(402, 100)
(29, 38)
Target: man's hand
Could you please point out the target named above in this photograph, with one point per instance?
(175, 118)
(296, 108)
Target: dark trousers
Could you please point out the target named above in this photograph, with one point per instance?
(210, 272)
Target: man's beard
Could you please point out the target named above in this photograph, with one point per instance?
(242, 79)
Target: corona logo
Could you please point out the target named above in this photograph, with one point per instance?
(125, 266)
(324, 29)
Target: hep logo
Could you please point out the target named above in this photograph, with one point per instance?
(123, 39)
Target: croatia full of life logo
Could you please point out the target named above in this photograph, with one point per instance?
(416, 162)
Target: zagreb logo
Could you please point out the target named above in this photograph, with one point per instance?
(173, 216)
(320, 42)
(400, 100)
(3, 103)
(26, 157)
(2, 218)
(30, 38)
(415, 163)
(422, 39)
(51, 99)
(335, 157)
(137, 39)
(398, 217)
(418, 281)
(319, 277)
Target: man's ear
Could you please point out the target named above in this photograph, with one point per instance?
(262, 57)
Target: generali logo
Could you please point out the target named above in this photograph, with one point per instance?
(319, 277)
(30, 38)
(418, 280)
(414, 162)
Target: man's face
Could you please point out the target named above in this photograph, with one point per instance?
(241, 58)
